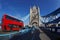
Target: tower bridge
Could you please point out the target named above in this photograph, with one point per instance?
(44, 33)
(50, 21)
(38, 20)
(34, 16)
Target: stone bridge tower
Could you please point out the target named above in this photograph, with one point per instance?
(34, 16)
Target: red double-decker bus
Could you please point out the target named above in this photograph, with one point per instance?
(11, 24)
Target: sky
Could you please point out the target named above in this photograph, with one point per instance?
(21, 8)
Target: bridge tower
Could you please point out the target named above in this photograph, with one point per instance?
(34, 16)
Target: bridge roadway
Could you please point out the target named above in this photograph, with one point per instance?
(42, 36)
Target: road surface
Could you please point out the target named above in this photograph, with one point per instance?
(38, 35)
(43, 36)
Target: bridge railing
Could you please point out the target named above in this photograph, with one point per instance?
(52, 29)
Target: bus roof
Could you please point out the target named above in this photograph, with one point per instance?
(12, 17)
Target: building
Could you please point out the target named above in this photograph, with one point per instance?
(34, 16)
